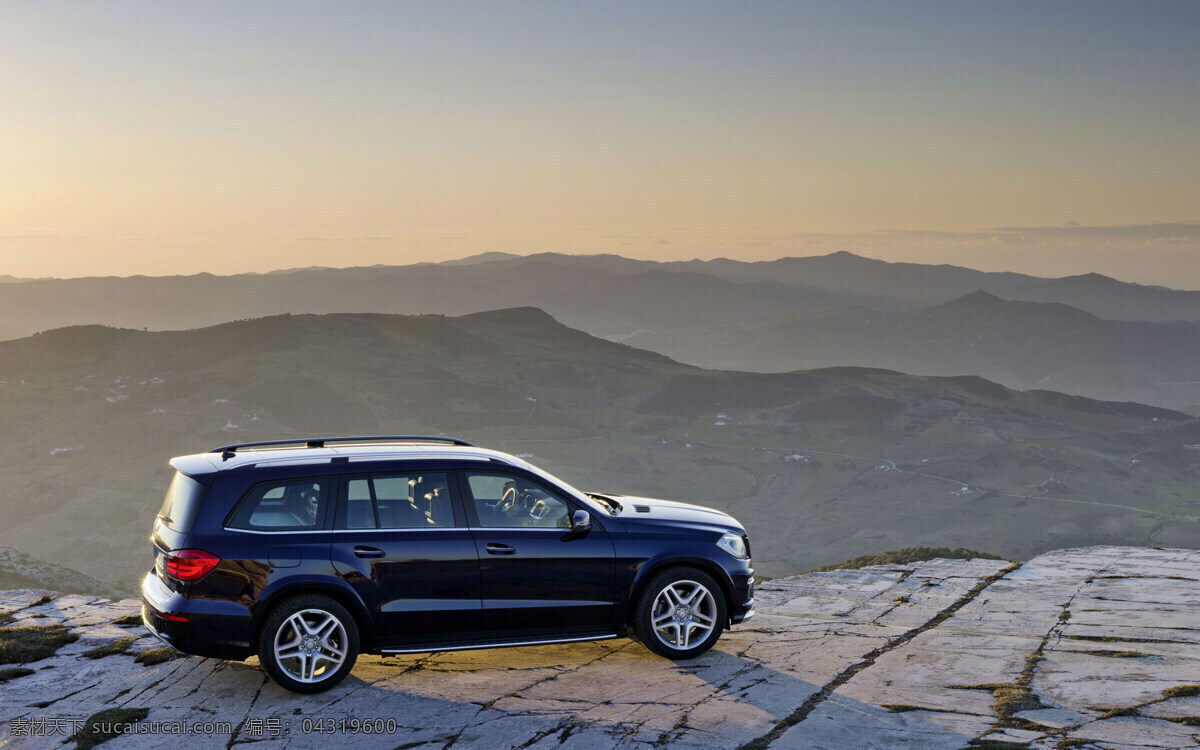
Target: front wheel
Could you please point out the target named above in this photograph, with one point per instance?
(680, 613)
(308, 644)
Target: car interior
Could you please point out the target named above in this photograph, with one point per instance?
(398, 502)
(508, 502)
(287, 506)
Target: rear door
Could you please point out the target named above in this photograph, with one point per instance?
(540, 579)
(400, 539)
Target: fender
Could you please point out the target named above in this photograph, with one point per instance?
(340, 591)
(649, 567)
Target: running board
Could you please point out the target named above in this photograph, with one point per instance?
(499, 644)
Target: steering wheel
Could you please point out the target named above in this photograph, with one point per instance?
(538, 510)
(507, 501)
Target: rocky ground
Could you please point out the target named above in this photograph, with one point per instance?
(1092, 647)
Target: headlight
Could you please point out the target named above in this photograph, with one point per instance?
(734, 545)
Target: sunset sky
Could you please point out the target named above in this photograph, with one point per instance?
(161, 138)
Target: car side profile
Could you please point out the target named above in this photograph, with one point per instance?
(310, 552)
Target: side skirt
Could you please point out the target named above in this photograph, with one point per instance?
(497, 644)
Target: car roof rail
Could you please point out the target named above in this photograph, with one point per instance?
(229, 451)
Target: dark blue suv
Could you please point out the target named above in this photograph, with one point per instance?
(307, 552)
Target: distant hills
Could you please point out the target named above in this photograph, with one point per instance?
(1090, 334)
(563, 285)
(821, 465)
(1024, 345)
(914, 285)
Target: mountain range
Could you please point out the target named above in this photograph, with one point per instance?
(821, 465)
(1023, 345)
(1088, 335)
(553, 280)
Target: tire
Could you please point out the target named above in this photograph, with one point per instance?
(304, 625)
(686, 604)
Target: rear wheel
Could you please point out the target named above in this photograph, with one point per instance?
(308, 643)
(680, 613)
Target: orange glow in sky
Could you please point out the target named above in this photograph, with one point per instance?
(161, 138)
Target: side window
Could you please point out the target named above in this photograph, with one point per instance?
(397, 501)
(506, 501)
(360, 511)
(285, 505)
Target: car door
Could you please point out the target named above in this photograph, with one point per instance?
(540, 578)
(400, 539)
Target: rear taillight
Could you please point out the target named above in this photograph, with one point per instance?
(190, 564)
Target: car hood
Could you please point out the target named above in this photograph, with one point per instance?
(649, 515)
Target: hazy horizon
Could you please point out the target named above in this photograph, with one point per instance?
(864, 253)
(1051, 139)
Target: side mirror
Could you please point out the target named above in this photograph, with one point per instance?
(581, 521)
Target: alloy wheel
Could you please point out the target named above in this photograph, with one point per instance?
(310, 645)
(684, 614)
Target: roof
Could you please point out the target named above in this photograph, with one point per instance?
(353, 449)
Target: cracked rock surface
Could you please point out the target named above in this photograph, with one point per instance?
(1090, 647)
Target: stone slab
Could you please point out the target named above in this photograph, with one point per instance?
(844, 645)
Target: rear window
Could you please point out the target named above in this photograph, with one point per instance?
(182, 503)
(286, 505)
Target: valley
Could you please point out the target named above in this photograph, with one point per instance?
(820, 465)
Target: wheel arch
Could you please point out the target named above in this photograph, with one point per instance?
(342, 595)
(651, 568)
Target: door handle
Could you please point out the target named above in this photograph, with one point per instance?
(499, 549)
(362, 551)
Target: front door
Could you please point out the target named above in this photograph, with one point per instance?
(540, 579)
(398, 542)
